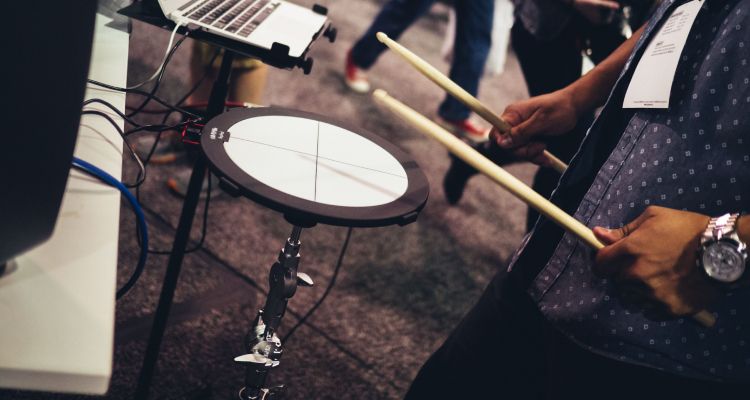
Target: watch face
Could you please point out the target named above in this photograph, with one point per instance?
(723, 261)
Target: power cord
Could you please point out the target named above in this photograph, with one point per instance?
(147, 158)
(159, 128)
(124, 134)
(138, 92)
(114, 109)
(141, 219)
(141, 167)
(156, 86)
(209, 67)
(164, 60)
(159, 74)
(189, 93)
(204, 228)
(332, 282)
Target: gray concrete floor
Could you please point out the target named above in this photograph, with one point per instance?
(401, 289)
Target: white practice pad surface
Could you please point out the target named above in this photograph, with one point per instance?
(316, 161)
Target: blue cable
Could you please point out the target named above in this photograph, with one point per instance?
(112, 181)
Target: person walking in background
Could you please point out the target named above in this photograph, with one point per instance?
(472, 44)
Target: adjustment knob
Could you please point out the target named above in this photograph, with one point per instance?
(331, 33)
(306, 65)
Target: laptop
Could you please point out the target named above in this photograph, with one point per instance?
(256, 22)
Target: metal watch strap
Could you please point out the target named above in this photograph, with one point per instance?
(719, 227)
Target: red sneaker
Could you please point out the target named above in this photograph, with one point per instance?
(465, 129)
(355, 77)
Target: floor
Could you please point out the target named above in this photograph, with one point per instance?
(401, 289)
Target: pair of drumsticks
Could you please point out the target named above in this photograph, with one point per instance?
(481, 163)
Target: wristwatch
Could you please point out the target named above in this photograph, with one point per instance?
(722, 254)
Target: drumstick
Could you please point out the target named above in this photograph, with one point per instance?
(458, 92)
(472, 157)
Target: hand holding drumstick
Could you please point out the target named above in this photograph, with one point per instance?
(545, 157)
(663, 278)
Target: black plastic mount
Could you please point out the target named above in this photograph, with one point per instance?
(322, 10)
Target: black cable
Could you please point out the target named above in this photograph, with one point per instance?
(204, 228)
(189, 93)
(141, 167)
(138, 126)
(197, 85)
(158, 128)
(114, 109)
(152, 150)
(317, 304)
(143, 93)
(161, 75)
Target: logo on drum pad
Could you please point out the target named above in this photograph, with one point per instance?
(217, 134)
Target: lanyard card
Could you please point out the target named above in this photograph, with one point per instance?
(652, 80)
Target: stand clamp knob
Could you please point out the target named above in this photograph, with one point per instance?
(331, 33)
(306, 65)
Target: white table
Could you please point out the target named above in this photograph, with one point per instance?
(57, 302)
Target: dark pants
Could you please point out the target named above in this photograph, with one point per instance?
(550, 65)
(505, 349)
(473, 39)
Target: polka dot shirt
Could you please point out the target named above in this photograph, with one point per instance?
(693, 156)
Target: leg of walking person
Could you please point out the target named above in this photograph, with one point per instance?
(550, 65)
(394, 18)
(470, 50)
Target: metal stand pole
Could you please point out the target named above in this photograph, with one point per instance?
(215, 107)
(262, 343)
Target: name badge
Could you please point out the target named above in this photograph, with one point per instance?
(652, 80)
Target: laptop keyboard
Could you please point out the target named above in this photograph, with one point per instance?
(228, 17)
(242, 19)
(249, 28)
(233, 15)
(204, 9)
(218, 11)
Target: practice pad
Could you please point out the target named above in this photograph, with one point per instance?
(313, 168)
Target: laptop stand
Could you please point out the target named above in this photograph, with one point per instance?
(278, 56)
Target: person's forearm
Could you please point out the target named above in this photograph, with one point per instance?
(592, 89)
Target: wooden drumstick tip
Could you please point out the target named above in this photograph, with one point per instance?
(379, 93)
(382, 37)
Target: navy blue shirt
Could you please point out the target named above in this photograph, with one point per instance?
(543, 18)
(693, 156)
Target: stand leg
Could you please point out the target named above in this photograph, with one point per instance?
(215, 107)
(263, 345)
